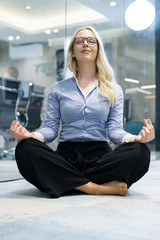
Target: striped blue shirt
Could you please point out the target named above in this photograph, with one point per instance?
(80, 118)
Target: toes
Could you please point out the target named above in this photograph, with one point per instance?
(124, 189)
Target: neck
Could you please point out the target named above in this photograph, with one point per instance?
(87, 72)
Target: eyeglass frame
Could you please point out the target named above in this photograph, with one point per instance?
(86, 38)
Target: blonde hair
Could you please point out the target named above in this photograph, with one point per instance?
(104, 71)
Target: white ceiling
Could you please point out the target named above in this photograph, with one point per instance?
(15, 19)
(45, 14)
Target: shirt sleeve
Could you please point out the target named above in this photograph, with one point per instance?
(39, 136)
(127, 138)
(52, 121)
(115, 120)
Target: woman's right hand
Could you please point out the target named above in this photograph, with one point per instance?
(18, 132)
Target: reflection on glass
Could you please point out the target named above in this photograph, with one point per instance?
(31, 40)
(139, 74)
(34, 39)
(130, 53)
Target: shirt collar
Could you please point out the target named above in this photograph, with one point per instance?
(95, 83)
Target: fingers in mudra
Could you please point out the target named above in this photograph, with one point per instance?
(146, 133)
(17, 131)
(149, 130)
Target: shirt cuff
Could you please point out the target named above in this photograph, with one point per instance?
(127, 138)
(39, 136)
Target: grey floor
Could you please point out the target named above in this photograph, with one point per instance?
(28, 214)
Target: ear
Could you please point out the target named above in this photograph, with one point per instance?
(73, 56)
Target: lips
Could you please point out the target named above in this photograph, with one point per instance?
(85, 50)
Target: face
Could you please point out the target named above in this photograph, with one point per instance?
(86, 51)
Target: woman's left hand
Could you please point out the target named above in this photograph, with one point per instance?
(146, 134)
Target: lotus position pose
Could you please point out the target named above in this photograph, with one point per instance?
(89, 107)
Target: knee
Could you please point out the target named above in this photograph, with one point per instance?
(142, 152)
(24, 147)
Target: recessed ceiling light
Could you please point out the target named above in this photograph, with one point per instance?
(113, 4)
(10, 38)
(17, 37)
(48, 31)
(28, 7)
(55, 30)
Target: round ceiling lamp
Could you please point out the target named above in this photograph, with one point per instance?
(140, 15)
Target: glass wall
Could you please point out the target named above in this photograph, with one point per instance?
(139, 75)
(34, 38)
(130, 52)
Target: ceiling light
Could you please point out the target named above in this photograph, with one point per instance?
(10, 38)
(113, 4)
(55, 30)
(148, 86)
(131, 80)
(150, 97)
(140, 15)
(28, 7)
(143, 91)
(48, 31)
(17, 37)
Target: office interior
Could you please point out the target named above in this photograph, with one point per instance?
(34, 38)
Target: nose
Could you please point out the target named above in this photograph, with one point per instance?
(85, 42)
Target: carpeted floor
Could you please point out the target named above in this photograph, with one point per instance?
(9, 171)
(28, 214)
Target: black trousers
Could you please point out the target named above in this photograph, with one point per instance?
(76, 163)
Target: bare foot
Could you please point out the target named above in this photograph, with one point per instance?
(115, 188)
(110, 188)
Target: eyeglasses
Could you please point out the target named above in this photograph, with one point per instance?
(81, 40)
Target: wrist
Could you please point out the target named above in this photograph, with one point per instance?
(33, 136)
(127, 138)
(133, 139)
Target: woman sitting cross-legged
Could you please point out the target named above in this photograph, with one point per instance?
(89, 106)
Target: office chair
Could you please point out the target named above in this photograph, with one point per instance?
(29, 110)
(9, 98)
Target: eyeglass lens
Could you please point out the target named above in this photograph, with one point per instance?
(90, 40)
